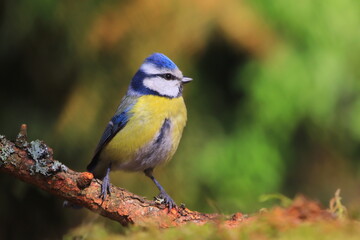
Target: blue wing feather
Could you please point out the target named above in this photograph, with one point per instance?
(117, 122)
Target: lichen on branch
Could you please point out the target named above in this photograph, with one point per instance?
(33, 162)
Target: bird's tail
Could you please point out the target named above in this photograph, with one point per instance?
(92, 165)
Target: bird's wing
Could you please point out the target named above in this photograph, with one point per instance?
(117, 122)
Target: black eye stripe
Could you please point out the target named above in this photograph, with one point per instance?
(166, 76)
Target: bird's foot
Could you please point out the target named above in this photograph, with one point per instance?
(105, 188)
(164, 198)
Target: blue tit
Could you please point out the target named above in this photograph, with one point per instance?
(147, 126)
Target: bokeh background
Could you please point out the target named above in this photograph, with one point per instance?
(274, 106)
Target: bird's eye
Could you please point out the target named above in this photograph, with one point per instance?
(168, 76)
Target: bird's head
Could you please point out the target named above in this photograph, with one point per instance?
(158, 75)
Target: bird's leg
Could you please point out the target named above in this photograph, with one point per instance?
(163, 195)
(105, 186)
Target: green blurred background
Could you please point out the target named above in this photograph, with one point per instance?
(274, 106)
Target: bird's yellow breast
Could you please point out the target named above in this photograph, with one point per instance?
(147, 117)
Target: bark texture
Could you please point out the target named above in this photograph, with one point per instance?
(33, 162)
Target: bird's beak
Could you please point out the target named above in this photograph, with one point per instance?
(186, 80)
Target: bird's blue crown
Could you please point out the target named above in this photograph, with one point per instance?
(160, 61)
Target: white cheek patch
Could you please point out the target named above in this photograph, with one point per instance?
(163, 87)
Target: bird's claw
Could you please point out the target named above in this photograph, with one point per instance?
(105, 189)
(164, 198)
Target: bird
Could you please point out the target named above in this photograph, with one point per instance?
(146, 128)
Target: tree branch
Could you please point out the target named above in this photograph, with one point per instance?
(33, 162)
